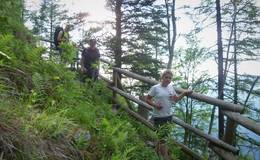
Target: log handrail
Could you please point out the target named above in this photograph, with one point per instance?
(232, 111)
(226, 106)
(210, 100)
(244, 121)
(150, 126)
(176, 120)
(126, 95)
(222, 153)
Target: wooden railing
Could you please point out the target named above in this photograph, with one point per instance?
(232, 111)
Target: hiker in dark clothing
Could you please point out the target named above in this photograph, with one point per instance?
(90, 61)
(61, 36)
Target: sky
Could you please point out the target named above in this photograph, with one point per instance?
(99, 13)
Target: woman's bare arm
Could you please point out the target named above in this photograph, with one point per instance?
(176, 98)
(149, 100)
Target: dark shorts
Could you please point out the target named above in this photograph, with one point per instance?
(159, 121)
(90, 74)
(162, 129)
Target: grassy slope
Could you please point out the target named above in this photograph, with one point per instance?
(46, 113)
(59, 117)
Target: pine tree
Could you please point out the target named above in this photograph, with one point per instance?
(144, 37)
(171, 25)
(140, 40)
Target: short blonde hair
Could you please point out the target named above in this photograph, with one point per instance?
(167, 71)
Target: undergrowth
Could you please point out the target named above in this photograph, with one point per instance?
(47, 113)
(52, 115)
(59, 110)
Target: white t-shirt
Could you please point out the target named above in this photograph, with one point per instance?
(162, 95)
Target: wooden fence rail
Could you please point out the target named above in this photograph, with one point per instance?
(150, 125)
(221, 152)
(210, 100)
(176, 120)
(244, 121)
(226, 106)
(232, 111)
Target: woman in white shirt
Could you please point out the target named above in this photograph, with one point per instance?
(162, 96)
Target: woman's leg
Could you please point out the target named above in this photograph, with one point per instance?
(161, 145)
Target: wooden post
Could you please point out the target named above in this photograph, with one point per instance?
(115, 85)
(230, 131)
(106, 79)
(142, 111)
(130, 97)
(244, 121)
(223, 153)
(120, 86)
(209, 138)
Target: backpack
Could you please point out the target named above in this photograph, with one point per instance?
(56, 33)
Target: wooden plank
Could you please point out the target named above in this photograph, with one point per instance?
(222, 153)
(140, 118)
(119, 85)
(150, 126)
(46, 40)
(105, 79)
(105, 61)
(244, 121)
(210, 138)
(210, 100)
(247, 123)
(188, 151)
(124, 94)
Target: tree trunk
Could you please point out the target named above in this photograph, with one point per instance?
(220, 69)
(232, 125)
(227, 65)
(22, 11)
(211, 119)
(235, 53)
(174, 34)
(118, 42)
(251, 90)
(51, 28)
(186, 131)
(168, 27)
(156, 47)
(171, 41)
(190, 119)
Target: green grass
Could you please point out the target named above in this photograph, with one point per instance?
(47, 113)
